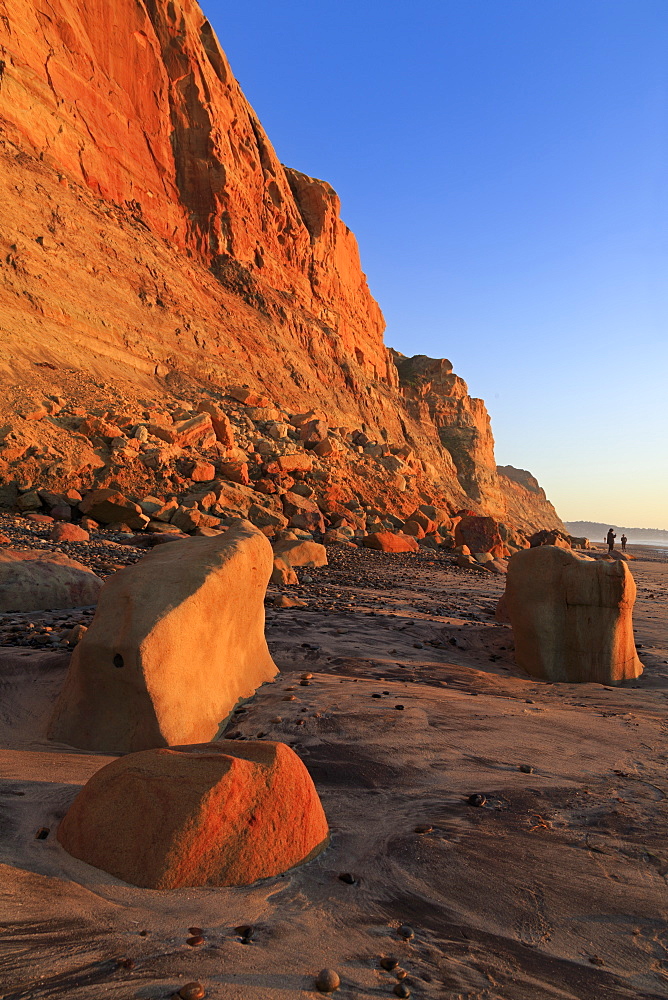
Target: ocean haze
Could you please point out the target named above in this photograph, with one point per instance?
(504, 168)
(596, 531)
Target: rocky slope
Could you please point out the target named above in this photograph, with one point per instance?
(155, 254)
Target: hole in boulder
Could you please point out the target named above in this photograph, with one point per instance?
(118, 660)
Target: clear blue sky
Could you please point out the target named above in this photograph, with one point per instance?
(504, 165)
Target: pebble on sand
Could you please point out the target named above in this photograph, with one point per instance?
(192, 991)
(327, 981)
(389, 963)
(406, 932)
(477, 800)
(401, 990)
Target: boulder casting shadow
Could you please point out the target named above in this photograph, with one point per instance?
(226, 813)
(571, 619)
(176, 641)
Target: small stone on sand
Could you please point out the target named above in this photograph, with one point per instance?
(406, 932)
(192, 991)
(388, 963)
(477, 800)
(327, 981)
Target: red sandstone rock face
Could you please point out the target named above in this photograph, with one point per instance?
(433, 391)
(155, 245)
(526, 503)
(137, 101)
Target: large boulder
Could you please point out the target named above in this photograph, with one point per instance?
(481, 534)
(109, 506)
(390, 541)
(571, 619)
(313, 432)
(283, 575)
(225, 813)
(35, 581)
(220, 422)
(549, 536)
(440, 516)
(176, 641)
(298, 553)
(62, 531)
(303, 512)
(427, 523)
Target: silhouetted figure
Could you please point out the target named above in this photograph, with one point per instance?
(623, 540)
(610, 539)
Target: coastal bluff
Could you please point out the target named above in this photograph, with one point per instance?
(155, 249)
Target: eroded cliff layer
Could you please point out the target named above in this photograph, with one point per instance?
(153, 249)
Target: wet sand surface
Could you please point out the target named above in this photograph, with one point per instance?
(555, 887)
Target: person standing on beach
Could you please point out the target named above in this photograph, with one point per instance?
(610, 539)
(623, 540)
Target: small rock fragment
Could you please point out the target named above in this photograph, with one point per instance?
(401, 990)
(526, 769)
(477, 800)
(406, 932)
(75, 634)
(389, 963)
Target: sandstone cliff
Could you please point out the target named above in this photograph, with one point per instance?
(153, 250)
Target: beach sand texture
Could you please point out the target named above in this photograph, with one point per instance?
(554, 888)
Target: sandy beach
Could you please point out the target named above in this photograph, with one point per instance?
(555, 887)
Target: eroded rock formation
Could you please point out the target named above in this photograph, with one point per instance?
(571, 618)
(226, 813)
(176, 641)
